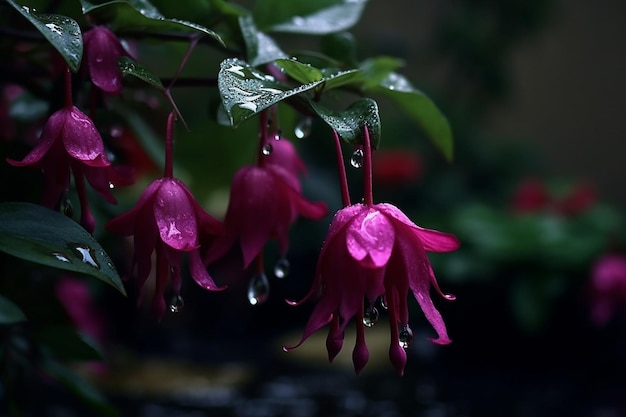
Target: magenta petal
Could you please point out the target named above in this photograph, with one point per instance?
(82, 140)
(98, 179)
(102, 52)
(124, 224)
(370, 238)
(334, 340)
(199, 272)
(360, 354)
(175, 216)
(397, 356)
(51, 132)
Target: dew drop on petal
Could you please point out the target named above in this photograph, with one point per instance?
(267, 149)
(405, 337)
(177, 303)
(258, 289)
(111, 186)
(370, 316)
(281, 268)
(303, 128)
(278, 134)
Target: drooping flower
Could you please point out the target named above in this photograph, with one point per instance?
(265, 200)
(102, 53)
(608, 288)
(168, 220)
(71, 143)
(373, 251)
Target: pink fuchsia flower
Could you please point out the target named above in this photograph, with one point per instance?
(608, 288)
(167, 220)
(371, 252)
(71, 142)
(374, 251)
(265, 200)
(102, 53)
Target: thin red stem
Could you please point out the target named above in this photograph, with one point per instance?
(367, 169)
(341, 166)
(169, 146)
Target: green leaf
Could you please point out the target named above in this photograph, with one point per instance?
(66, 343)
(130, 67)
(303, 73)
(350, 123)
(10, 313)
(317, 17)
(62, 32)
(246, 91)
(81, 388)
(38, 234)
(141, 15)
(420, 108)
(260, 48)
(376, 70)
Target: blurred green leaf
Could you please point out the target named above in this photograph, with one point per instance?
(376, 70)
(419, 108)
(62, 32)
(350, 123)
(260, 48)
(317, 17)
(303, 73)
(38, 234)
(10, 313)
(141, 15)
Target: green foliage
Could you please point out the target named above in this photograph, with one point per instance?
(43, 236)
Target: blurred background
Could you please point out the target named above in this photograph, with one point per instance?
(533, 91)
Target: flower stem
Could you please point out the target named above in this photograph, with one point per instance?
(169, 146)
(367, 169)
(68, 89)
(341, 166)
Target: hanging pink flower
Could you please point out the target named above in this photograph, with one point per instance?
(374, 251)
(102, 53)
(265, 200)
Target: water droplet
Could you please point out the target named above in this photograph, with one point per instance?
(278, 135)
(357, 158)
(303, 128)
(405, 338)
(383, 302)
(177, 303)
(86, 255)
(370, 316)
(111, 186)
(267, 149)
(258, 289)
(281, 269)
(61, 257)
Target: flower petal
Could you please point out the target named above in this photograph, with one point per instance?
(51, 132)
(369, 238)
(199, 272)
(175, 216)
(102, 52)
(125, 223)
(82, 140)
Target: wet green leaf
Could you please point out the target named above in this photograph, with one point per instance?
(37, 234)
(246, 91)
(260, 48)
(303, 73)
(141, 15)
(130, 67)
(10, 313)
(317, 17)
(350, 123)
(420, 109)
(62, 32)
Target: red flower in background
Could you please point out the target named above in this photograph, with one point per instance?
(608, 288)
(532, 196)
